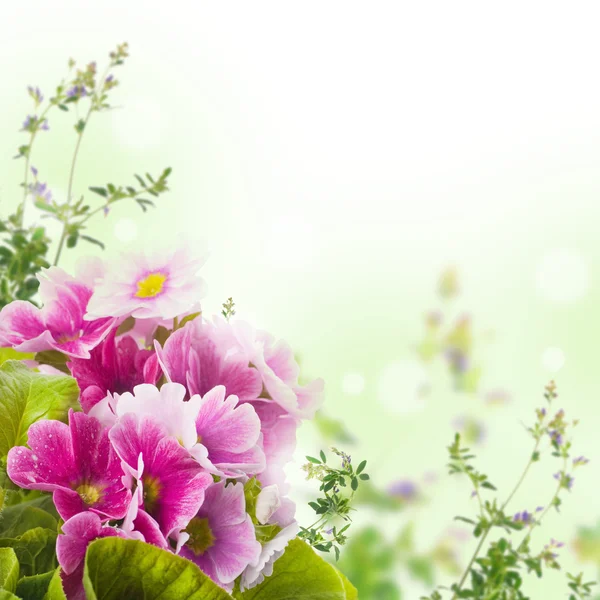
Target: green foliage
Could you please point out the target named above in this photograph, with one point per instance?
(22, 254)
(370, 562)
(35, 550)
(499, 572)
(116, 568)
(27, 514)
(26, 397)
(334, 503)
(24, 250)
(9, 569)
(34, 587)
(228, 309)
(301, 573)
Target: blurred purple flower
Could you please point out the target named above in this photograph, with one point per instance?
(36, 94)
(77, 91)
(404, 488)
(41, 192)
(524, 517)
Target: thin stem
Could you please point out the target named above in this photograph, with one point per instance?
(485, 534)
(545, 511)
(63, 236)
(468, 569)
(27, 162)
(523, 475)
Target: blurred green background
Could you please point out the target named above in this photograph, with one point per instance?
(336, 159)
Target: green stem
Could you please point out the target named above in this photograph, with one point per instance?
(63, 236)
(27, 163)
(545, 511)
(485, 534)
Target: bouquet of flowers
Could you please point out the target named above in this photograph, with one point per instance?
(161, 435)
(142, 444)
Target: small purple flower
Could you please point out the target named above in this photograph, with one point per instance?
(109, 78)
(539, 509)
(34, 171)
(36, 94)
(524, 517)
(580, 460)
(77, 91)
(27, 123)
(106, 210)
(556, 437)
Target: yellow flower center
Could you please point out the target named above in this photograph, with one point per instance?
(151, 286)
(152, 489)
(201, 536)
(90, 494)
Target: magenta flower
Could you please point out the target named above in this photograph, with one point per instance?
(220, 539)
(191, 357)
(166, 405)
(76, 462)
(228, 435)
(78, 532)
(170, 483)
(145, 287)
(59, 325)
(114, 366)
(277, 367)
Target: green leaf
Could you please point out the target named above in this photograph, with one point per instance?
(99, 190)
(116, 568)
(19, 518)
(351, 592)
(55, 359)
(55, 589)
(4, 595)
(9, 569)
(27, 397)
(301, 573)
(35, 550)
(34, 587)
(10, 354)
(92, 240)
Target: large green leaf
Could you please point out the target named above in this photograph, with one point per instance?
(301, 573)
(26, 397)
(4, 595)
(34, 587)
(351, 591)
(55, 589)
(35, 550)
(116, 568)
(19, 518)
(9, 569)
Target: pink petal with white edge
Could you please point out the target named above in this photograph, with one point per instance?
(168, 406)
(23, 328)
(78, 532)
(178, 480)
(223, 424)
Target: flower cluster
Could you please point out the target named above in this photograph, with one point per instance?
(186, 423)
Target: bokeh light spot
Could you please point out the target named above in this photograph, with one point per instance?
(402, 386)
(562, 276)
(353, 384)
(553, 359)
(125, 230)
